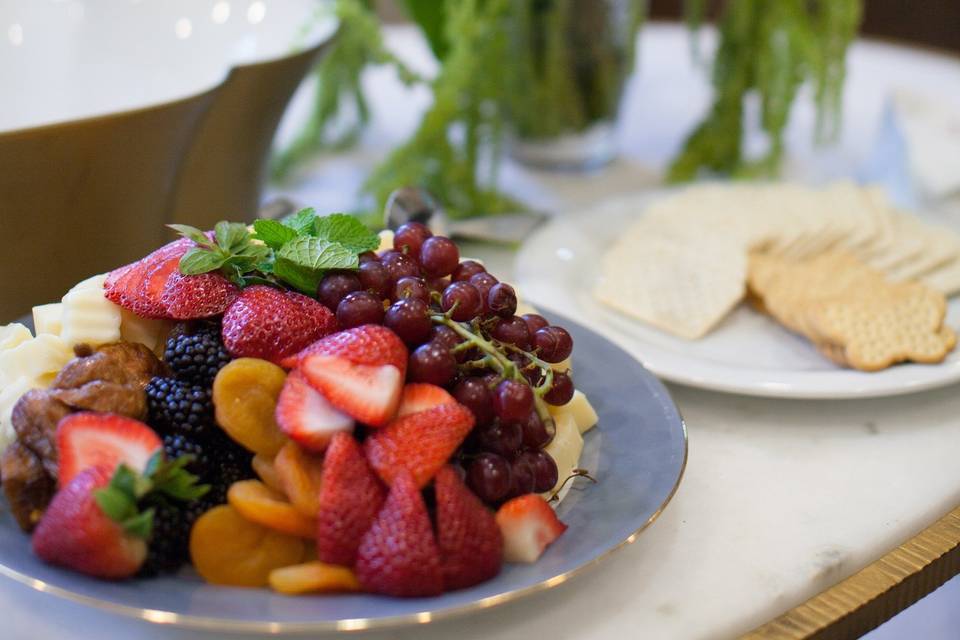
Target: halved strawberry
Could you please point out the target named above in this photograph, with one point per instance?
(368, 344)
(350, 498)
(369, 393)
(420, 396)
(87, 439)
(528, 525)
(398, 556)
(123, 284)
(272, 324)
(470, 542)
(419, 443)
(306, 416)
(149, 303)
(76, 533)
(197, 296)
(360, 371)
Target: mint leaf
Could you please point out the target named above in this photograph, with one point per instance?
(302, 221)
(197, 260)
(303, 279)
(192, 233)
(273, 233)
(346, 230)
(317, 254)
(231, 236)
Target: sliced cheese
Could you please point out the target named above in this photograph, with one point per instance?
(580, 409)
(35, 359)
(146, 331)
(47, 318)
(565, 450)
(9, 395)
(11, 335)
(88, 317)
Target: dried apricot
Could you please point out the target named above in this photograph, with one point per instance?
(259, 503)
(245, 398)
(314, 577)
(299, 474)
(230, 550)
(263, 467)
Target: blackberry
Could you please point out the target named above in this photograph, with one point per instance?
(169, 547)
(178, 407)
(218, 462)
(196, 353)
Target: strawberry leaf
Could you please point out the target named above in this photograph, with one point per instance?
(140, 525)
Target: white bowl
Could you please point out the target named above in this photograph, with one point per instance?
(63, 60)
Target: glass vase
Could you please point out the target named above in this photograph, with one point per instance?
(569, 63)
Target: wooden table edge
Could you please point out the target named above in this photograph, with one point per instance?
(877, 592)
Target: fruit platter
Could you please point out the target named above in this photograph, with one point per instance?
(302, 424)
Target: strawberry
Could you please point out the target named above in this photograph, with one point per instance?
(138, 286)
(360, 371)
(368, 344)
(94, 524)
(272, 324)
(350, 498)
(419, 443)
(306, 416)
(528, 525)
(420, 396)
(470, 543)
(88, 439)
(75, 532)
(398, 556)
(122, 285)
(198, 296)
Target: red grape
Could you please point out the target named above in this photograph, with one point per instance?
(513, 401)
(502, 300)
(410, 319)
(475, 395)
(483, 282)
(439, 256)
(489, 477)
(359, 307)
(466, 269)
(445, 335)
(335, 286)
(535, 322)
(502, 438)
(466, 298)
(544, 468)
(536, 433)
(411, 287)
(512, 331)
(409, 237)
(373, 278)
(438, 284)
(368, 256)
(523, 475)
(554, 344)
(432, 362)
(399, 265)
(562, 390)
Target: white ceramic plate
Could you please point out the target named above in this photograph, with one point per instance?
(748, 353)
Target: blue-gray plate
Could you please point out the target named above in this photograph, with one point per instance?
(637, 453)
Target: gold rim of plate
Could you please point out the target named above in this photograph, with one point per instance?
(159, 616)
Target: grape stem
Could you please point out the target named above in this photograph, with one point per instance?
(495, 359)
(576, 473)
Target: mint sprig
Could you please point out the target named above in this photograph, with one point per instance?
(296, 251)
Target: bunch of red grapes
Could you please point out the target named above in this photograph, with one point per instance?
(461, 325)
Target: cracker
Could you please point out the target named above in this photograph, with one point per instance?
(684, 289)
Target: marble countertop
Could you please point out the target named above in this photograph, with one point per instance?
(781, 499)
